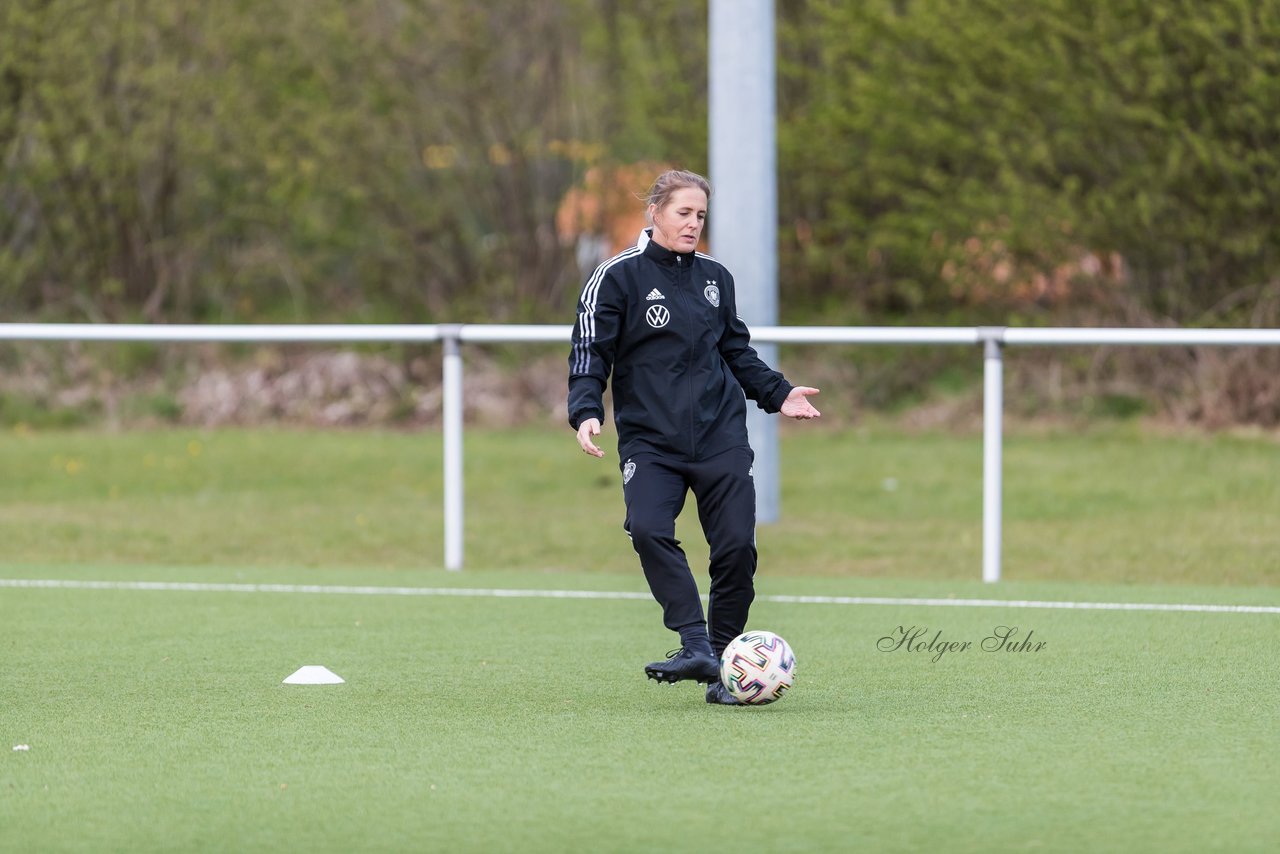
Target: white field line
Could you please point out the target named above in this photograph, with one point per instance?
(500, 593)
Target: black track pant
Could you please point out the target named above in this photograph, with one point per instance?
(655, 491)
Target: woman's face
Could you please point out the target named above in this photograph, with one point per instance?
(678, 225)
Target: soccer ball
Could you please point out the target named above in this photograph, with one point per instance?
(757, 668)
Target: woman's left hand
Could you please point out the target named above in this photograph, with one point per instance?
(797, 404)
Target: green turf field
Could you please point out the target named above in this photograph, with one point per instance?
(156, 719)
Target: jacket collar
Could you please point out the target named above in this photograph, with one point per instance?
(652, 249)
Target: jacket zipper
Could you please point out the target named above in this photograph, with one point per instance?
(693, 423)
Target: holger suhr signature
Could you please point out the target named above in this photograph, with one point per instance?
(918, 639)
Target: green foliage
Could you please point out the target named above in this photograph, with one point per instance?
(223, 161)
(24, 412)
(161, 407)
(366, 159)
(1056, 128)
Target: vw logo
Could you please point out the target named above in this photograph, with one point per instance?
(658, 316)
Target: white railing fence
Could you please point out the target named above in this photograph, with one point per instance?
(992, 338)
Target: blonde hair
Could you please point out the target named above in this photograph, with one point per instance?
(666, 184)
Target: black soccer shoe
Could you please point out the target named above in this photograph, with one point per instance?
(718, 695)
(684, 663)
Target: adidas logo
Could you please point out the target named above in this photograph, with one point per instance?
(655, 294)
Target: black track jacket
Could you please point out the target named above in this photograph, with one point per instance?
(666, 326)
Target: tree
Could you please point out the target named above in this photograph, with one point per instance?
(1048, 127)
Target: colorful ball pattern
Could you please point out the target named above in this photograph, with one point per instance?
(758, 668)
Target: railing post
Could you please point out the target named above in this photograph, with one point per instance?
(992, 338)
(451, 335)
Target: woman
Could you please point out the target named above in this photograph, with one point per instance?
(661, 319)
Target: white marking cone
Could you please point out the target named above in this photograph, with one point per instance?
(314, 674)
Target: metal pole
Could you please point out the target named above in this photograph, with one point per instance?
(452, 415)
(744, 212)
(992, 446)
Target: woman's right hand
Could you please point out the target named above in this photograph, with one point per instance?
(587, 429)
